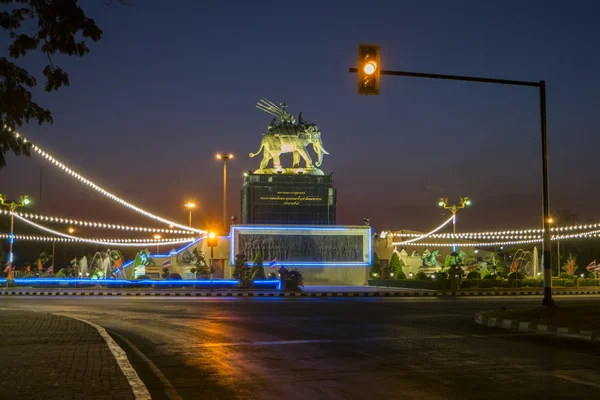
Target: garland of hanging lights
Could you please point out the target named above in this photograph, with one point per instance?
(99, 189)
(89, 224)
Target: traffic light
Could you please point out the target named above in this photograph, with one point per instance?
(211, 239)
(369, 69)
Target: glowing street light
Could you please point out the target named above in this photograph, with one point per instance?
(71, 230)
(224, 157)
(12, 206)
(464, 202)
(190, 205)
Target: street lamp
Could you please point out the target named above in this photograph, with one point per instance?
(157, 238)
(550, 222)
(71, 231)
(224, 157)
(190, 205)
(12, 206)
(464, 202)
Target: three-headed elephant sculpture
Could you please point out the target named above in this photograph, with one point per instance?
(274, 144)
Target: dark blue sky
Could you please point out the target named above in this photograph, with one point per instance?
(171, 83)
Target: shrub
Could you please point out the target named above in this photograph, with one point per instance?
(272, 276)
(588, 282)
(376, 267)
(396, 267)
(490, 277)
(257, 271)
(421, 276)
(294, 279)
(47, 276)
(565, 275)
(487, 283)
(473, 275)
(143, 278)
(516, 275)
(530, 282)
(570, 283)
(174, 276)
(165, 273)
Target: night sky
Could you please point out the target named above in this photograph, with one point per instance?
(171, 83)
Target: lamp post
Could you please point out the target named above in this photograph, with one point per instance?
(190, 205)
(71, 231)
(12, 206)
(157, 238)
(464, 202)
(224, 157)
(550, 222)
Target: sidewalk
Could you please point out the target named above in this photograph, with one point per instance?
(44, 356)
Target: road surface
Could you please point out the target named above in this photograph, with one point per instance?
(334, 348)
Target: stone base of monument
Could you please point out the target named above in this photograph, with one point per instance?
(326, 255)
(288, 199)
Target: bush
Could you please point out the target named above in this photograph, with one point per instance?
(490, 277)
(564, 275)
(272, 276)
(516, 275)
(570, 283)
(47, 276)
(294, 280)
(421, 276)
(530, 282)
(143, 278)
(588, 282)
(174, 276)
(473, 275)
(10, 284)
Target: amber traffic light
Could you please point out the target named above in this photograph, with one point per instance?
(369, 69)
(212, 239)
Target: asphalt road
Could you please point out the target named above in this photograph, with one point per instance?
(334, 348)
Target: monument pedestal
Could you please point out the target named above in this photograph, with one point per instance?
(288, 199)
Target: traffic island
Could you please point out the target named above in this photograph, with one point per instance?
(574, 322)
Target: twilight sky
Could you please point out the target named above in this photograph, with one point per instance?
(171, 83)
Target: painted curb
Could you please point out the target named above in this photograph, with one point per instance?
(67, 292)
(530, 327)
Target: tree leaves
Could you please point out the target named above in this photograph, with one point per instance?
(61, 27)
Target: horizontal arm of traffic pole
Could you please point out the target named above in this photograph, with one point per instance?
(455, 78)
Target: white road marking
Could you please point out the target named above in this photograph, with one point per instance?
(140, 391)
(169, 390)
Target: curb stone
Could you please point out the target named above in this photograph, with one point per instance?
(530, 327)
(66, 292)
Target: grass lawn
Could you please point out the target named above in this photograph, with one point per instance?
(576, 317)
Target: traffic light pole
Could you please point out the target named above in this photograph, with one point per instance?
(547, 239)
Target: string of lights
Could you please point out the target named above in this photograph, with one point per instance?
(106, 242)
(471, 235)
(429, 233)
(89, 224)
(99, 189)
(38, 238)
(533, 239)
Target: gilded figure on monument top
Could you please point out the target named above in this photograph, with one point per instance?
(283, 135)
